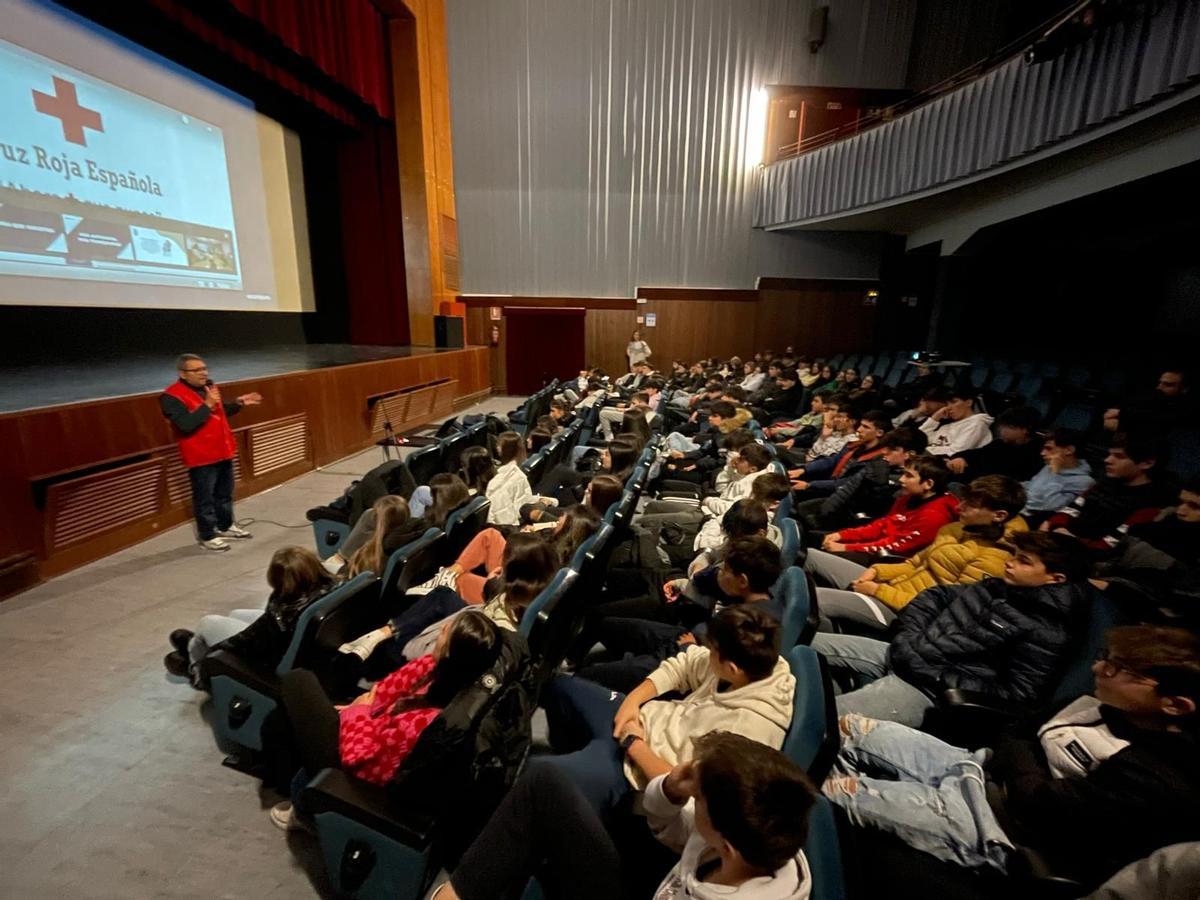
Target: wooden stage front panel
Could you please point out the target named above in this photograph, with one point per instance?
(83, 480)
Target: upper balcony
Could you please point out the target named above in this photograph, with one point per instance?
(1080, 81)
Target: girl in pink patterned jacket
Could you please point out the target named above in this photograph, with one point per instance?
(371, 736)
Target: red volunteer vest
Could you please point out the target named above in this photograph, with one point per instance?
(212, 442)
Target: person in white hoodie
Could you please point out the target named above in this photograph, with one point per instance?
(610, 744)
(753, 461)
(957, 426)
(509, 488)
(737, 814)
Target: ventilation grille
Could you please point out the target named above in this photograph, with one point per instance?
(84, 507)
(277, 444)
(391, 409)
(414, 406)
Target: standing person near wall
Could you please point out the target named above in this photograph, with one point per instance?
(637, 350)
(199, 418)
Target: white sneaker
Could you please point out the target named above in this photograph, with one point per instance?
(364, 646)
(236, 533)
(283, 816)
(445, 577)
(214, 544)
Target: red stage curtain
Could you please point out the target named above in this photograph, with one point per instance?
(372, 237)
(345, 39)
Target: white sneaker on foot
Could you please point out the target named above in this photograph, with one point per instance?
(364, 646)
(283, 816)
(445, 577)
(214, 544)
(236, 533)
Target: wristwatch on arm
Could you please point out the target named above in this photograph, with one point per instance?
(628, 741)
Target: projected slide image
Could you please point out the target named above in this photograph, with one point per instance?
(97, 182)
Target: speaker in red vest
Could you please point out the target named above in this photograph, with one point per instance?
(448, 331)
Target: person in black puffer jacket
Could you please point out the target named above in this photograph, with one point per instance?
(1004, 638)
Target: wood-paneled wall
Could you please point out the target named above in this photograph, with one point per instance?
(43, 446)
(817, 317)
(421, 86)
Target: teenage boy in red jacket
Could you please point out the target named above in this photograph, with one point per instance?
(921, 509)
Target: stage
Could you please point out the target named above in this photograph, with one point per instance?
(51, 384)
(88, 464)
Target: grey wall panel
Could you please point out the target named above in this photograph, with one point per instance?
(600, 145)
(1011, 111)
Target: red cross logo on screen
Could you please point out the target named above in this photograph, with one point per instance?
(64, 105)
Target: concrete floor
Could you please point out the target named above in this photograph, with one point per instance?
(110, 782)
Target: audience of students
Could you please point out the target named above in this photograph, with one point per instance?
(682, 693)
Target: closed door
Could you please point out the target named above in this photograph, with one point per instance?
(542, 344)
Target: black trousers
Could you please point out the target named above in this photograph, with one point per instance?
(315, 724)
(639, 645)
(544, 827)
(212, 497)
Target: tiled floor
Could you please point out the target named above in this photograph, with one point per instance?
(110, 783)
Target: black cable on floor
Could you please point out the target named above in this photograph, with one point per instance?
(242, 523)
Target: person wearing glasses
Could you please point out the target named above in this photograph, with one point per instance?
(1108, 779)
(200, 420)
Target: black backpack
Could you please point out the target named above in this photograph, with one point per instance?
(470, 755)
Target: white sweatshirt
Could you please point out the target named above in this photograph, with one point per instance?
(508, 491)
(675, 826)
(761, 711)
(948, 438)
(733, 492)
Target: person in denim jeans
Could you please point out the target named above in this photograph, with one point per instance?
(1109, 779)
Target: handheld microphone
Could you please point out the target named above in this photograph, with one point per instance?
(208, 383)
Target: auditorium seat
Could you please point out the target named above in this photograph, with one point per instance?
(329, 535)
(388, 844)
(1078, 416)
(424, 463)
(452, 447)
(790, 529)
(812, 738)
(536, 466)
(462, 525)
(245, 697)
(799, 624)
(823, 851)
(409, 566)
(553, 621)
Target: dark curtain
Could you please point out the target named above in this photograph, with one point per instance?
(372, 239)
(331, 53)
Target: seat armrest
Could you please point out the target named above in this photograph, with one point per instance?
(333, 791)
(979, 703)
(687, 500)
(1040, 878)
(969, 719)
(225, 663)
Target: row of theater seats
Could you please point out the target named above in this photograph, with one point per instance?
(1065, 396)
(374, 848)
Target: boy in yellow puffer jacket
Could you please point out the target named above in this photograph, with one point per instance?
(971, 549)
